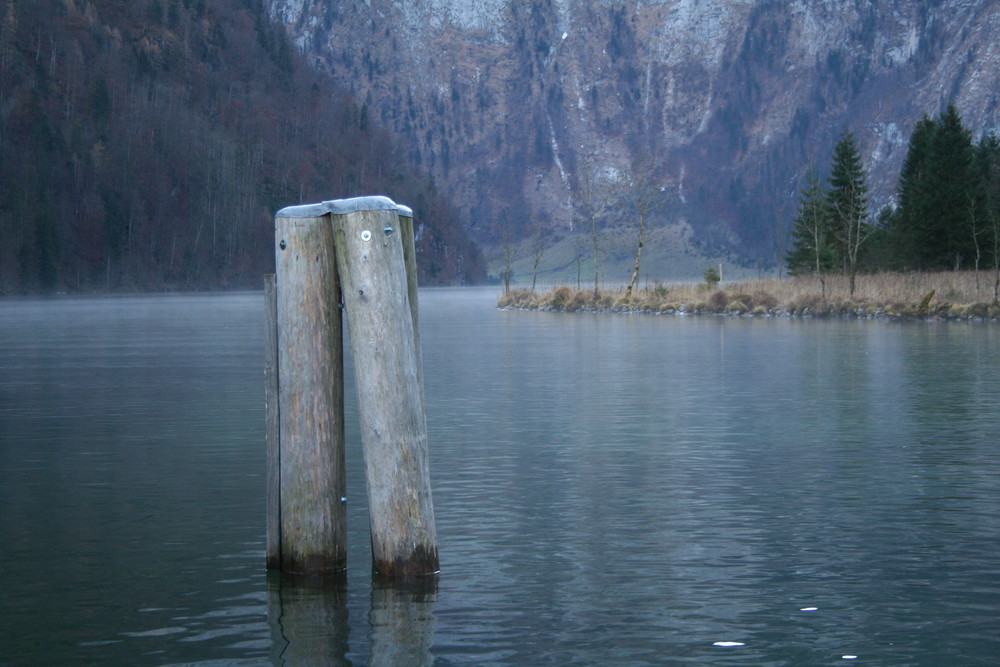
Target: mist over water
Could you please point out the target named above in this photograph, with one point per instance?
(608, 489)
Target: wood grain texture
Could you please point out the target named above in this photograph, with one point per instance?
(311, 398)
(380, 324)
(272, 442)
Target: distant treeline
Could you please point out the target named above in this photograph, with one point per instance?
(147, 145)
(946, 217)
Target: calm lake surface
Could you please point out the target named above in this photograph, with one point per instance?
(624, 490)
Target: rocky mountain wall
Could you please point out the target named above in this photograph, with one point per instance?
(515, 105)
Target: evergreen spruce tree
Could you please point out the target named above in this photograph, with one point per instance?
(988, 165)
(847, 205)
(950, 180)
(977, 206)
(812, 251)
(908, 226)
(881, 251)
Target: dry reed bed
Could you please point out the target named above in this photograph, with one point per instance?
(945, 295)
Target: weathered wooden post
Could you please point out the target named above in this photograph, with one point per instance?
(377, 307)
(310, 394)
(273, 548)
(406, 237)
(359, 250)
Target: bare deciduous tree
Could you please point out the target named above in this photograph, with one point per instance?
(538, 243)
(995, 226)
(848, 201)
(591, 202)
(507, 247)
(580, 249)
(643, 196)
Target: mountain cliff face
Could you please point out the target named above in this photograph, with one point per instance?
(515, 105)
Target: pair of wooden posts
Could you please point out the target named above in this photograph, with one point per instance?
(356, 256)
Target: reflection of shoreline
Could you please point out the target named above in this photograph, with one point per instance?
(308, 619)
(402, 620)
(309, 622)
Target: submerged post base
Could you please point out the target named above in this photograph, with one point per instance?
(421, 561)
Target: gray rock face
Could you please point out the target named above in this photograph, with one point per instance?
(513, 104)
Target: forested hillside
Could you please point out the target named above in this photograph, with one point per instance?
(146, 144)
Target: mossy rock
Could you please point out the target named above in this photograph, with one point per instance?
(978, 310)
(924, 305)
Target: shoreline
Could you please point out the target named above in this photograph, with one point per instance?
(945, 297)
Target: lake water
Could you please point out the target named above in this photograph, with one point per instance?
(609, 489)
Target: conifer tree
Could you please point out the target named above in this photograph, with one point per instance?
(988, 164)
(977, 206)
(812, 250)
(951, 177)
(910, 219)
(847, 203)
(940, 223)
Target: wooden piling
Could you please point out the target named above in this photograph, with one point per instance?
(381, 325)
(311, 399)
(410, 260)
(273, 547)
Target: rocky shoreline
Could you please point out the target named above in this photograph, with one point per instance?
(719, 303)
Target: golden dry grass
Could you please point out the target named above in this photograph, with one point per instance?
(947, 295)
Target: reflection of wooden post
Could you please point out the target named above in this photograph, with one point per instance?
(308, 620)
(401, 621)
(311, 394)
(380, 323)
